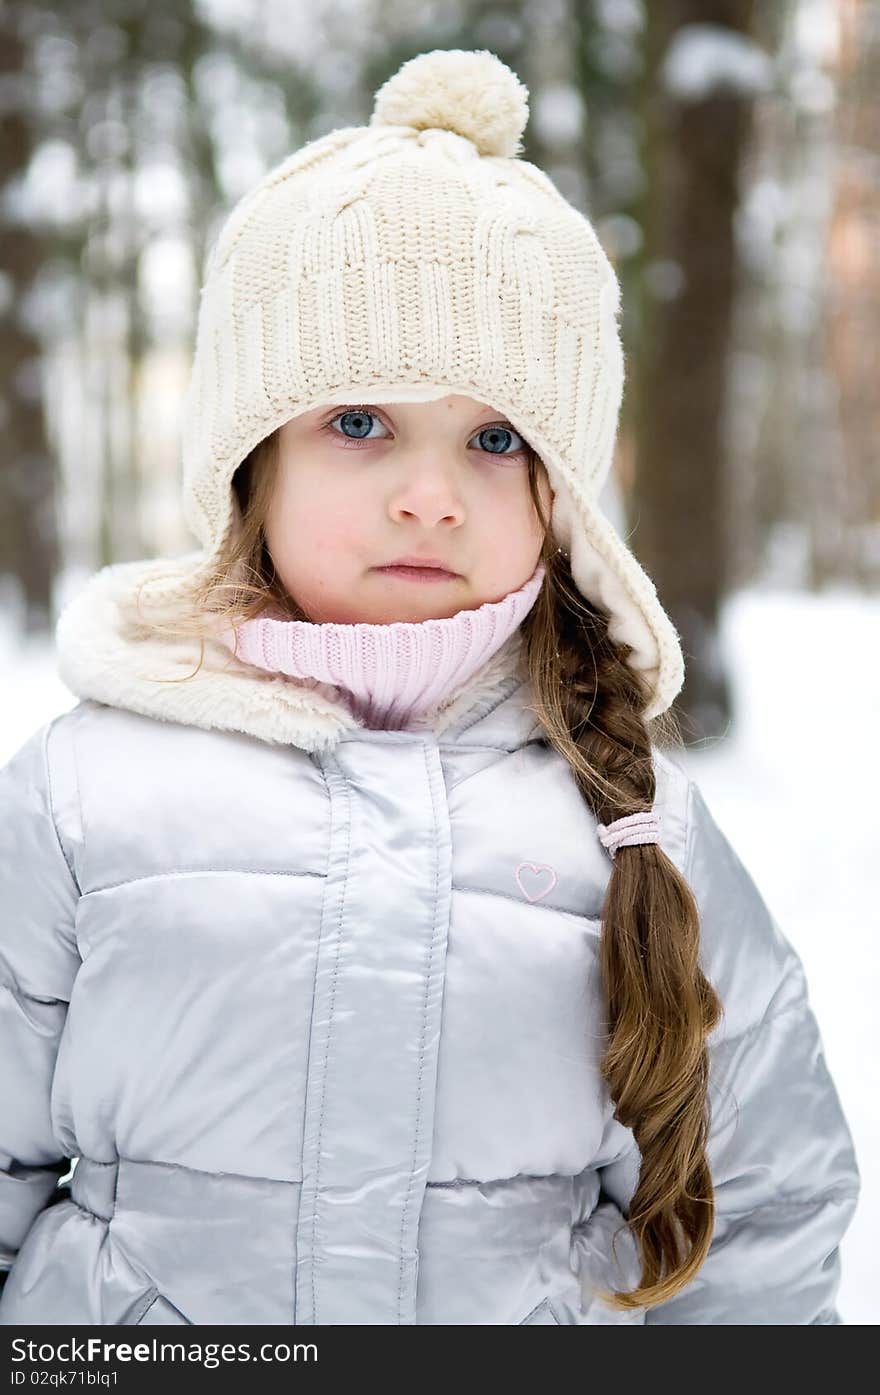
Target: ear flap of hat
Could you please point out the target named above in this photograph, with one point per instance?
(607, 573)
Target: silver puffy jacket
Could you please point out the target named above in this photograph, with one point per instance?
(323, 1032)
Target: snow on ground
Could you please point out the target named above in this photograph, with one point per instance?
(791, 786)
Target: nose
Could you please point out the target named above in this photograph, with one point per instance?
(429, 493)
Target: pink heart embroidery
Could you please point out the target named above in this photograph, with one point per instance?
(537, 869)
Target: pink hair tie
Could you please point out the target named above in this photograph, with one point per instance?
(643, 827)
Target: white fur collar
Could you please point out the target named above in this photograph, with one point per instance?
(99, 657)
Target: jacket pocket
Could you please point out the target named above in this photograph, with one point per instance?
(542, 1313)
(160, 1311)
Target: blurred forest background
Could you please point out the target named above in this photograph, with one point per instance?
(727, 152)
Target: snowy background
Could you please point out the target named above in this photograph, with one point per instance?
(792, 795)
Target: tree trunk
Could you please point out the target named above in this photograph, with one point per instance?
(28, 529)
(693, 150)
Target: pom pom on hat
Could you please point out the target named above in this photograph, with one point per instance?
(472, 94)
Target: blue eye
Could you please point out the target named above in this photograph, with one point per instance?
(498, 437)
(358, 419)
(356, 424)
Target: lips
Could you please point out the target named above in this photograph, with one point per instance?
(421, 563)
(422, 573)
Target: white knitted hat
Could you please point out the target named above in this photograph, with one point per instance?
(408, 259)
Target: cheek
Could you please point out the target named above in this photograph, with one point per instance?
(313, 515)
(512, 505)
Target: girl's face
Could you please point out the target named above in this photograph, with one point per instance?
(360, 486)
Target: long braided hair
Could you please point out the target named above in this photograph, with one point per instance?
(660, 1007)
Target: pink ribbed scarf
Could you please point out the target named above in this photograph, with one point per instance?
(394, 673)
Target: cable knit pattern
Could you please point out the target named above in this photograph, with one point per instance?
(393, 674)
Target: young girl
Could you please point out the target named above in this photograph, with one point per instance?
(361, 942)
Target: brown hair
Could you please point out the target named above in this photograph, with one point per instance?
(659, 1005)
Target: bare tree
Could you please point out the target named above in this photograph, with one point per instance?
(28, 530)
(695, 119)
(852, 326)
